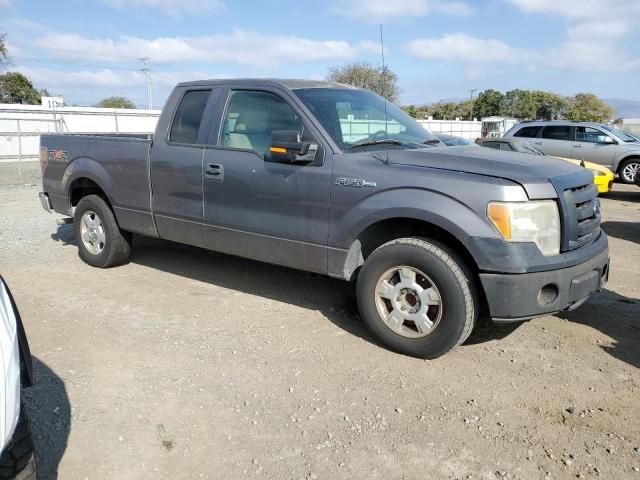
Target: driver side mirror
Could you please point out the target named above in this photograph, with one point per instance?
(287, 146)
(607, 140)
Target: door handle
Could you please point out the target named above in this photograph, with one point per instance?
(537, 143)
(577, 146)
(214, 170)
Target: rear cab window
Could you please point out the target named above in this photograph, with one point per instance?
(188, 116)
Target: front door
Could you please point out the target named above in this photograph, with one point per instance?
(592, 146)
(270, 211)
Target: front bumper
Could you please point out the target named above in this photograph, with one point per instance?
(517, 297)
(604, 183)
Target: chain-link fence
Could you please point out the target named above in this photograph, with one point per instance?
(21, 127)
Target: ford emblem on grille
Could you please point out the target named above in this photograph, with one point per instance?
(596, 207)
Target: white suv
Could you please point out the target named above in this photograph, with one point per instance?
(16, 445)
(591, 142)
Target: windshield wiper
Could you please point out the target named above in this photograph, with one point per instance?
(386, 141)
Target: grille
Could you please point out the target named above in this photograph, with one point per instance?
(580, 214)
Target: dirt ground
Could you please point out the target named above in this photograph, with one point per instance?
(190, 364)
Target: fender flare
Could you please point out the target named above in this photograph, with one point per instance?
(85, 167)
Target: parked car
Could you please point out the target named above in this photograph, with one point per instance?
(268, 169)
(591, 142)
(602, 176)
(453, 140)
(17, 459)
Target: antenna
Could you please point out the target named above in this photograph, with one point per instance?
(382, 48)
(147, 75)
(382, 80)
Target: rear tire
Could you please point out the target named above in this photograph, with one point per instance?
(417, 297)
(101, 243)
(18, 461)
(628, 169)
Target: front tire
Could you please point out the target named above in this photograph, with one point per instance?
(101, 243)
(628, 170)
(18, 462)
(417, 297)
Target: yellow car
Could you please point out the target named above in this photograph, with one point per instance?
(602, 176)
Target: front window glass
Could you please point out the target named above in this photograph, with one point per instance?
(252, 116)
(360, 118)
(590, 135)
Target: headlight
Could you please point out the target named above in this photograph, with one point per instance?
(597, 173)
(535, 221)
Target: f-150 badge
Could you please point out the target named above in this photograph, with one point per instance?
(354, 182)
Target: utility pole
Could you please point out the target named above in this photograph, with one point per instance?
(147, 75)
(471, 90)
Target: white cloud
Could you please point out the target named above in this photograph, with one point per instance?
(467, 49)
(170, 6)
(379, 10)
(5, 3)
(238, 47)
(580, 8)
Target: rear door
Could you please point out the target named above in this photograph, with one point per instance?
(555, 140)
(590, 145)
(270, 211)
(176, 166)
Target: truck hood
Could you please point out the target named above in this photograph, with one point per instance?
(533, 172)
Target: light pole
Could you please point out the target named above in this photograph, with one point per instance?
(471, 90)
(147, 75)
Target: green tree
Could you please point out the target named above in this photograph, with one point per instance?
(364, 75)
(116, 102)
(16, 88)
(586, 107)
(488, 103)
(444, 110)
(549, 106)
(519, 104)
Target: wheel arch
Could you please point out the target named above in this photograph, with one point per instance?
(84, 176)
(624, 159)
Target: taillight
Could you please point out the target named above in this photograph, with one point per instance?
(44, 157)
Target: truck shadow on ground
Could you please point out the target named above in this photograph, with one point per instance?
(335, 299)
(50, 417)
(617, 317)
(629, 231)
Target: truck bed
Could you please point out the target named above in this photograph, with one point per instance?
(119, 162)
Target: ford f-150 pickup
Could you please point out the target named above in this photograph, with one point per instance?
(333, 179)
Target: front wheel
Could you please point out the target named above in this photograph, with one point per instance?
(417, 297)
(101, 243)
(628, 170)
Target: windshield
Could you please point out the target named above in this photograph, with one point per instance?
(620, 134)
(359, 118)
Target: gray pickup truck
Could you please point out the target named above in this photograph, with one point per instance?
(332, 179)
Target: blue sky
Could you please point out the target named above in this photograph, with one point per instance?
(87, 50)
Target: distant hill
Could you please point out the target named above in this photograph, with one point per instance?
(624, 108)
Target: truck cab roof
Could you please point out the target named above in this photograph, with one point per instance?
(290, 84)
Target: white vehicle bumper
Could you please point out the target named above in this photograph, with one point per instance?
(9, 369)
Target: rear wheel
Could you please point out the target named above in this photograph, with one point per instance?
(101, 243)
(18, 462)
(628, 170)
(417, 297)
